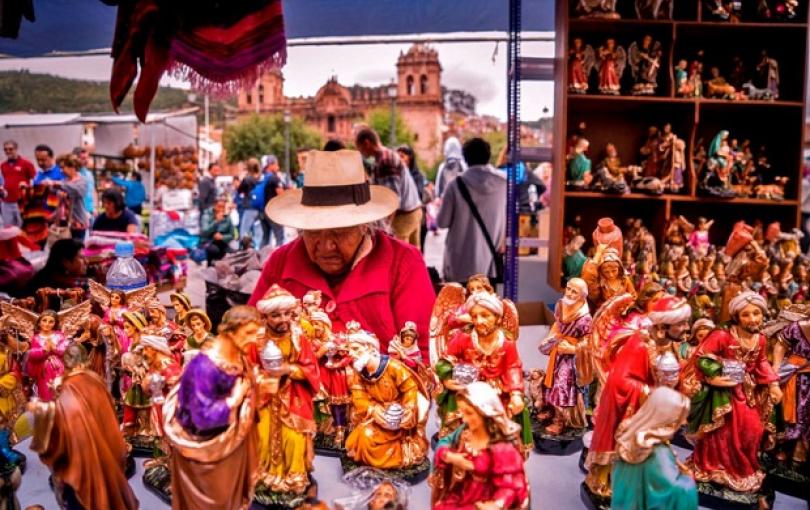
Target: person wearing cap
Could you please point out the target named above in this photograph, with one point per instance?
(388, 170)
(363, 274)
(727, 368)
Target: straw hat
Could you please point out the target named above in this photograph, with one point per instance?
(336, 194)
(198, 312)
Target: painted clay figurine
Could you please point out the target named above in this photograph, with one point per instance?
(330, 350)
(610, 60)
(198, 322)
(579, 167)
(597, 9)
(580, 64)
(610, 175)
(605, 275)
(181, 304)
(645, 62)
(479, 465)
(654, 9)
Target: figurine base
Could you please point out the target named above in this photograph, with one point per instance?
(158, 480)
(265, 499)
(582, 456)
(717, 497)
(592, 501)
(787, 477)
(324, 445)
(142, 446)
(129, 467)
(570, 441)
(412, 475)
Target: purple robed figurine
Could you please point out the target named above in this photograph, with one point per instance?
(204, 389)
(791, 360)
(572, 322)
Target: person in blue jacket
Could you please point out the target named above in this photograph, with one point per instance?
(134, 192)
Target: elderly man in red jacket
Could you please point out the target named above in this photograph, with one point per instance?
(364, 274)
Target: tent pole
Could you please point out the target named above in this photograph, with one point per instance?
(152, 179)
(513, 146)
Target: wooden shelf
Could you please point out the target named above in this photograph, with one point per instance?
(690, 100)
(680, 198)
(749, 103)
(745, 24)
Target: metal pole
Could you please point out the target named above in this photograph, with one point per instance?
(152, 179)
(393, 138)
(287, 146)
(513, 142)
(207, 133)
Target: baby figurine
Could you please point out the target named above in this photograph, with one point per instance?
(536, 393)
(404, 347)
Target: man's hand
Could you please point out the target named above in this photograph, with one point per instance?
(775, 392)
(453, 385)
(722, 381)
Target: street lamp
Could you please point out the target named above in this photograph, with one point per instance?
(287, 119)
(392, 93)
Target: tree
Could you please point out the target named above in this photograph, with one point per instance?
(380, 121)
(264, 134)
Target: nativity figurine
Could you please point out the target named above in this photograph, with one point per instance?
(645, 62)
(610, 61)
(610, 174)
(581, 60)
(596, 9)
(579, 167)
(199, 324)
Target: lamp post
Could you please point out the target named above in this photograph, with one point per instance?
(287, 119)
(392, 93)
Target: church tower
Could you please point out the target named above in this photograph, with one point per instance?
(420, 98)
(267, 94)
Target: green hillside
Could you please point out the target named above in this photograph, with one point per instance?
(22, 91)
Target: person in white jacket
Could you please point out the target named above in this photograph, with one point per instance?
(452, 166)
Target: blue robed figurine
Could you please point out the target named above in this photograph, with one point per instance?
(647, 475)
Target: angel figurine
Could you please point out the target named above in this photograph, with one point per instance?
(611, 60)
(645, 62)
(116, 303)
(597, 9)
(49, 333)
(580, 64)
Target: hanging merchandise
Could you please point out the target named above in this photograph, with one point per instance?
(217, 47)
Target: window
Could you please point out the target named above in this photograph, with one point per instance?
(330, 124)
(249, 98)
(416, 137)
(409, 85)
(261, 93)
(423, 84)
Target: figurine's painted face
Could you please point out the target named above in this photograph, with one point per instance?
(382, 496)
(245, 336)
(129, 329)
(702, 333)
(407, 339)
(279, 321)
(484, 321)
(750, 318)
(577, 43)
(318, 328)
(611, 151)
(179, 309)
(105, 331)
(572, 293)
(197, 325)
(609, 271)
(610, 43)
(333, 250)
(46, 324)
(678, 331)
(156, 316)
(115, 299)
(647, 41)
(361, 354)
(470, 415)
(477, 285)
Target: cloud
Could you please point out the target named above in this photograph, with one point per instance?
(478, 84)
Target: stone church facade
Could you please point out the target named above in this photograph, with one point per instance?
(336, 109)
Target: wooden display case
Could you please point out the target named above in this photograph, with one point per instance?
(625, 119)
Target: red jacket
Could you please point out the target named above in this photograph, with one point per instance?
(387, 288)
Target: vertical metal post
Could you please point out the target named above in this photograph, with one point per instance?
(513, 142)
(287, 144)
(207, 133)
(393, 138)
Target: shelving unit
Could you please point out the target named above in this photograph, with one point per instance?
(624, 120)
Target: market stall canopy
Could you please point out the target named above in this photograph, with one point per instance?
(303, 19)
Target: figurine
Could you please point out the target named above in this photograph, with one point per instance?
(287, 424)
(718, 87)
(630, 378)
(158, 323)
(647, 469)
(573, 258)
(610, 59)
(49, 333)
(76, 436)
(609, 234)
(389, 408)
(768, 75)
(645, 62)
(12, 395)
(579, 168)
(116, 302)
(487, 353)
(699, 238)
(654, 9)
(610, 174)
(684, 87)
(200, 325)
(727, 421)
(387, 494)
(479, 465)
(404, 348)
(163, 373)
(208, 420)
(597, 9)
(716, 180)
(724, 10)
(748, 262)
(572, 322)
(606, 276)
(700, 330)
(580, 64)
(181, 304)
(94, 344)
(672, 176)
(133, 365)
(333, 362)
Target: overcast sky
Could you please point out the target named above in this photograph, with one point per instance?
(479, 68)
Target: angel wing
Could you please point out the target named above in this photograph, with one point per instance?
(608, 327)
(99, 293)
(450, 299)
(19, 318)
(71, 319)
(633, 57)
(621, 61)
(511, 321)
(589, 59)
(137, 299)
